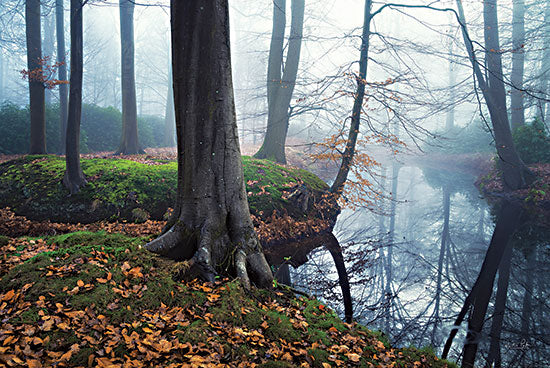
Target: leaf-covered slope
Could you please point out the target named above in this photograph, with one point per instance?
(135, 191)
(94, 299)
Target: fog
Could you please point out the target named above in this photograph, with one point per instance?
(414, 228)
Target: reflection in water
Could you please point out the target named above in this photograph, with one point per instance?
(415, 269)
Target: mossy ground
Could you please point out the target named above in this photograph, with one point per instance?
(120, 189)
(98, 299)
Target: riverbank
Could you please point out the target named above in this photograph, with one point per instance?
(535, 197)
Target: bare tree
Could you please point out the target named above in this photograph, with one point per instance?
(74, 178)
(281, 78)
(130, 141)
(518, 61)
(515, 173)
(62, 70)
(36, 86)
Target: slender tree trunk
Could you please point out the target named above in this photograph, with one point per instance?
(36, 87)
(335, 250)
(518, 62)
(349, 152)
(48, 48)
(74, 178)
(543, 110)
(494, 360)
(280, 86)
(62, 70)
(211, 226)
(1, 75)
(507, 223)
(450, 118)
(515, 173)
(527, 305)
(130, 142)
(169, 116)
(389, 257)
(442, 252)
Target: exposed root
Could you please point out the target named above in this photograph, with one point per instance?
(246, 263)
(74, 185)
(169, 245)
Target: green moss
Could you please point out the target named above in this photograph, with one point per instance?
(96, 255)
(4, 240)
(319, 356)
(127, 190)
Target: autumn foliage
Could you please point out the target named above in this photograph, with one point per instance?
(45, 73)
(360, 190)
(86, 300)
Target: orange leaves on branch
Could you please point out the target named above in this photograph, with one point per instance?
(45, 73)
(359, 190)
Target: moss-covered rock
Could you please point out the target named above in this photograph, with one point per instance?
(120, 189)
(97, 299)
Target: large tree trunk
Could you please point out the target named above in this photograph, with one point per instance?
(62, 71)
(74, 178)
(36, 86)
(515, 173)
(130, 142)
(211, 226)
(518, 62)
(349, 152)
(280, 88)
(169, 116)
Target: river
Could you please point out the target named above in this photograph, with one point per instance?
(413, 261)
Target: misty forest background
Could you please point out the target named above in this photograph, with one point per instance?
(429, 120)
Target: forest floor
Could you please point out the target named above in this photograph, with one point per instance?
(89, 295)
(94, 299)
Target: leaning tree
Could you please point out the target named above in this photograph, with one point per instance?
(211, 227)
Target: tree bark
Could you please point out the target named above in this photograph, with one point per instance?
(74, 178)
(515, 173)
(36, 87)
(211, 226)
(280, 87)
(335, 250)
(349, 152)
(62, 71)
(518, 62)
(169, 116)
(130, 142)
